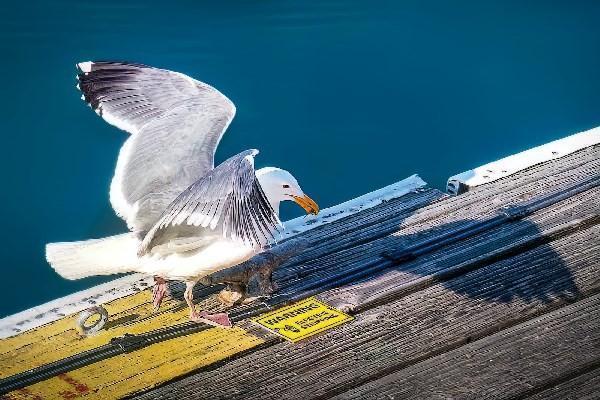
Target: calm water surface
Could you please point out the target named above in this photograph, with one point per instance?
(349, 95)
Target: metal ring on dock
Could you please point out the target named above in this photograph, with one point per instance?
(85, 315)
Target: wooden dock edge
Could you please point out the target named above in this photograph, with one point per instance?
(510, 165)
(203, 352)
(131, 284)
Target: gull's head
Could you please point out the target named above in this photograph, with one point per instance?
(279, 185)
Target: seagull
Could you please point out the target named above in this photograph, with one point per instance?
(186, 218)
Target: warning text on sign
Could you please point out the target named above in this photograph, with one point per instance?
(303, 319)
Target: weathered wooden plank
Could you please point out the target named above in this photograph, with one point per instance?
(521, 187)
(585, 386)
(587, 172)
(415, 327)
(517, 162)
(429, 266)
(62, 307)
(419, 198)
(66, 346)
(447, 214)
(368, 200)
(365, 226)
(369, 218)
(508, 364)
(551, 167)
(131, 314)
(412, 275)
(121, 375)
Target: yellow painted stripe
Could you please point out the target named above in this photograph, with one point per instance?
(129, 373)
(59, 339)
(124, 374)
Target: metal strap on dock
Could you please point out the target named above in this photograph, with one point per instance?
(129, 343)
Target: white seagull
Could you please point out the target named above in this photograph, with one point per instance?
(187, 218)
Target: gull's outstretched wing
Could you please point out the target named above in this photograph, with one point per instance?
(176, 124)
(229, 196)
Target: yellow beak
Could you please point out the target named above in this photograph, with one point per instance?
(307, 203)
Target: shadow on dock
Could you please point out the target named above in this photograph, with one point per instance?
(518, 274)
(531, 271)
(535, 272)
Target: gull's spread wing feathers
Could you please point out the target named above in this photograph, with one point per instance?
(176, 124)
(229, 196)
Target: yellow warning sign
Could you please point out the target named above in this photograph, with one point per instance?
(303, 319)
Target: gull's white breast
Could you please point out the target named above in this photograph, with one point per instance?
(219, 254)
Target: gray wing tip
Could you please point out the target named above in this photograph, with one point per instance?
(247, 155)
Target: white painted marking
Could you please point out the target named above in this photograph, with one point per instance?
(518, 162)
(393, 191)
(79, 301)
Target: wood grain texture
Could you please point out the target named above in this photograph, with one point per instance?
(442, 315)
(415, 327)
(581, 387)
(506, 365)
(406, 315)
(451, 213)
(430, 268)
(59, 339)
(124, 374)
(363, 227)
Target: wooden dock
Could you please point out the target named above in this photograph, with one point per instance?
(493, 293)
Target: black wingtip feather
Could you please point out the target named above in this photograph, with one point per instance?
(97, 78)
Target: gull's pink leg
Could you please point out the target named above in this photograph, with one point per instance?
(188, 295)
(158, 292)
(221, 319)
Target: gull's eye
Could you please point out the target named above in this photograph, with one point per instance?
(286, 186)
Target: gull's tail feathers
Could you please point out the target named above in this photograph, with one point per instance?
(106, 256)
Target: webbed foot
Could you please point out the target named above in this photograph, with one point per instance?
(158, 292)
(220, 320)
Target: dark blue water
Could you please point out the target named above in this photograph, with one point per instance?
(348, 95)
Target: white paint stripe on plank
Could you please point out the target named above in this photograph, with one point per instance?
(517, 162)
(56, 309)
(327, 215)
